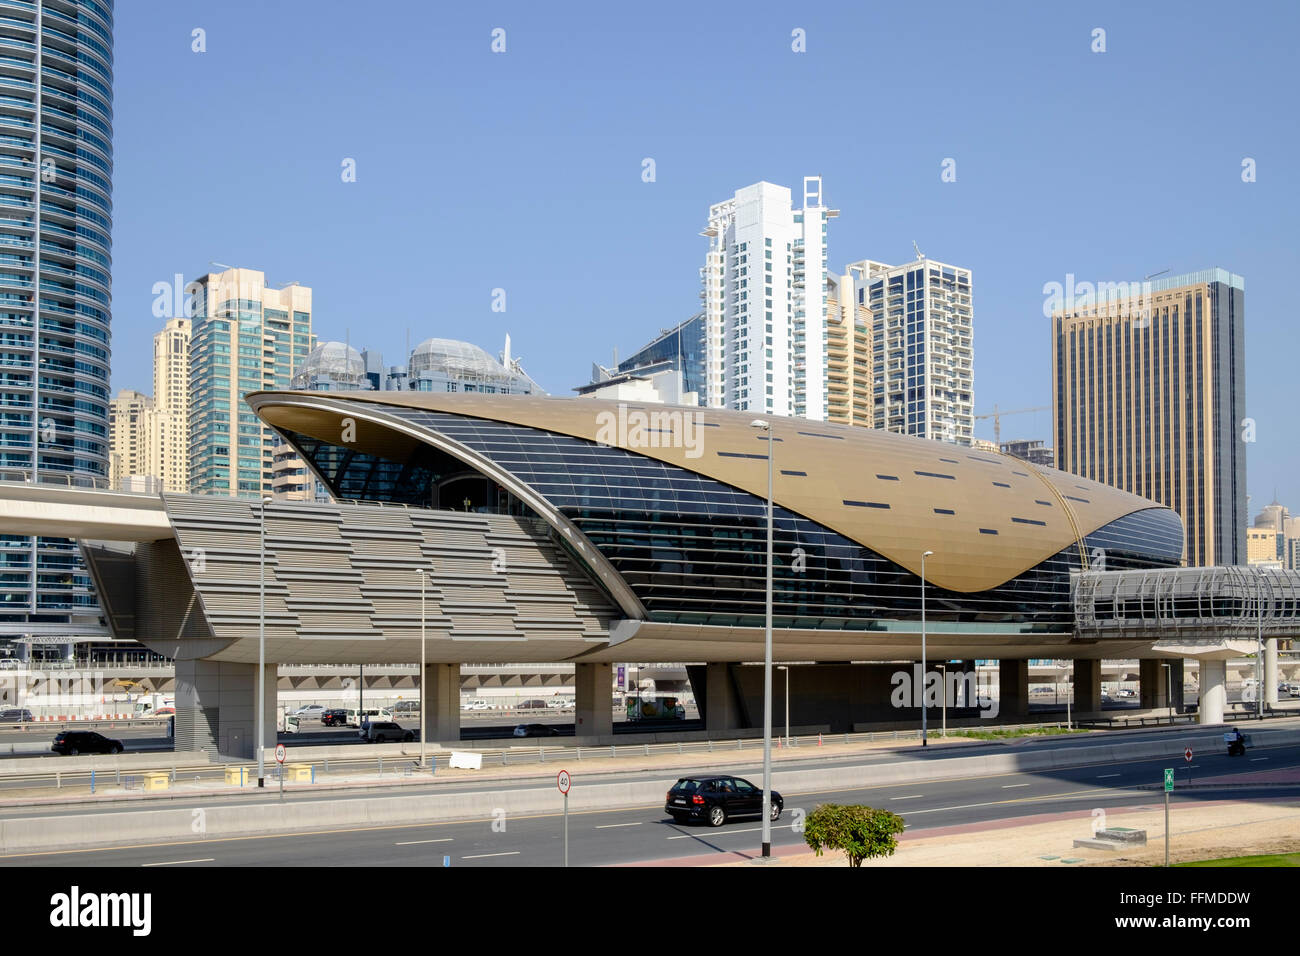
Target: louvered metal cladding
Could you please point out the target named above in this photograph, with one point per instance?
(342, 582)
(1224, 601)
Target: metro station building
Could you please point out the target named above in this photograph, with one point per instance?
(577, 530)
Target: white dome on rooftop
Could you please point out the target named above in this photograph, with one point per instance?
(336, 361)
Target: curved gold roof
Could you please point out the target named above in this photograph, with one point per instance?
(987, 517)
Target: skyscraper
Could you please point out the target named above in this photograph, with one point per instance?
(1149, 385)
(764, 287)
(130, 424)
(849, 358)
(247, 337)
(922, 330)
(171, 397)
(56, 142)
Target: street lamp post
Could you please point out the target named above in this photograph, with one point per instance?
(423, 589)
(261, 648)
(767, 654)
(924, 737)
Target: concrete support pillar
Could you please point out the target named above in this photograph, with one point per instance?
(1214, 690)
(440, 702)
(1013, 688)
(1270, 672)
(216, 708)
(1153, 687)
(721, 706)
(1176, 678)
(1087, 686)
(593, 699)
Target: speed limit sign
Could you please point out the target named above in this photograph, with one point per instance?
(562, 781)
(279, 753)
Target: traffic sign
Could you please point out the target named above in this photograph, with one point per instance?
(279, 753)
(562, 781)
(1169, 779)
(1187, 754)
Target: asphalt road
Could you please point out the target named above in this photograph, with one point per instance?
(646, 834)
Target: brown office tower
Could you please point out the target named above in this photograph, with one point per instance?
(1149, 393)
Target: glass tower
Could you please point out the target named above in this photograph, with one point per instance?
(56, 168)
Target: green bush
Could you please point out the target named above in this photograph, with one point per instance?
(860, 832)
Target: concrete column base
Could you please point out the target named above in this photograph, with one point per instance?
(1214, 690)
(216, 709)
(440, 702)
(1087, 686)
(593, 700)
(721, 706)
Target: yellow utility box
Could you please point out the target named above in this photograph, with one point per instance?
(239, 776)
(159, 780)
(297, 773)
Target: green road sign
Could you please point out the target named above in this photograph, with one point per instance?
(1169, 779)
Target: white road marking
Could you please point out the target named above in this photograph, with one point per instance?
(1012, 786)
(414, 842)
(206, 859)
(915, 796)
(691, 836)
(1103, 776)
(610, 826)
(479, 856)
(1257, 759)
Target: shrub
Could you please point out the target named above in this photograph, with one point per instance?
(860, 832)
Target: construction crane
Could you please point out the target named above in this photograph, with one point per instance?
(919, 254)
(997, 414)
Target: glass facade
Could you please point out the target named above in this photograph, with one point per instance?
(694, 549)
(56, 170)
(247, 337)
(682, 349)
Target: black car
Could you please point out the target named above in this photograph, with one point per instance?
(379, 731)
(717, 799)
(334, 718)
(19, 714)
(536, 730)
(73, 742)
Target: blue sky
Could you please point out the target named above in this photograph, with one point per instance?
(522, 170)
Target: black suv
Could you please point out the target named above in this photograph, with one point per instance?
(73, 742)
(717, 799)
(379, 731)
(19, 714)
(334, 718)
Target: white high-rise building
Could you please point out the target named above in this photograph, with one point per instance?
(921, 331)
(764, 290)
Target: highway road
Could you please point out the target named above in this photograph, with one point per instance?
(646, 835)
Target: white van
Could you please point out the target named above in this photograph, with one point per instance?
(370, 713)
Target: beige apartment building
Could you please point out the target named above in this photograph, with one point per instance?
(1148, 385)
(171, 390)
(130, 436)
(848, 355)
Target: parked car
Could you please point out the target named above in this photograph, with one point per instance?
(716, 799)
(310, 712)
(383, 731)
(560, 703)
(536, 730)
(335, 717)
(1126, 693)
(16, 715)
(73, 742)
(405, 707)
(531, 705)
(478, 703)
(358, 719)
